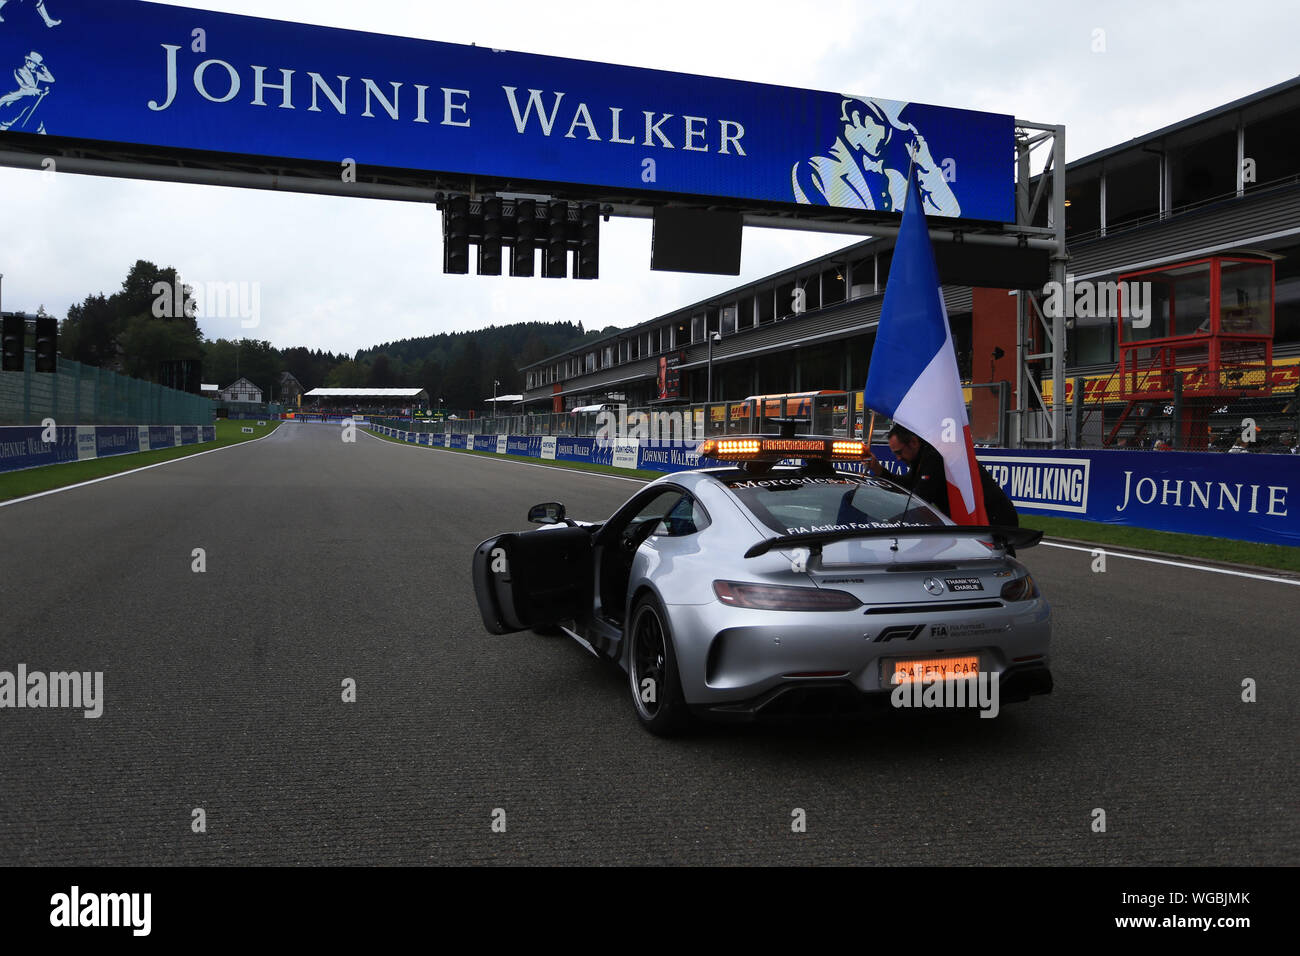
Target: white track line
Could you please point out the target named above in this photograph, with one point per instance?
(133, 471)
(524, 464)
(1176, 564)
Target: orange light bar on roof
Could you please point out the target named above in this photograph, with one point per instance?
(795, 446)
(750, 449)
(731, 449)
(848, 450)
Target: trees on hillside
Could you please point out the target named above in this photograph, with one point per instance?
(347, 374)
(260, 362)
(136, 328)
(149, 320)
(310, 367)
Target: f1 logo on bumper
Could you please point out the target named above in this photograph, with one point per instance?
(899, 632)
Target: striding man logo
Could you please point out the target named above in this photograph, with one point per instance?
(867, 165)
(33, 81)
(40, 9)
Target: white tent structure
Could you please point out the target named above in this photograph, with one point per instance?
(395, 394)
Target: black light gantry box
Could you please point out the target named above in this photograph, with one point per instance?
(696, 240)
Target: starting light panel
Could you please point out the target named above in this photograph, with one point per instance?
(562, 230)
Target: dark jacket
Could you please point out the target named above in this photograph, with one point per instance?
(925, 478)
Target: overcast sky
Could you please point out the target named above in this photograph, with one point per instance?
(343, 274)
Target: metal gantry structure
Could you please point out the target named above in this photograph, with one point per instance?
(1034, 421)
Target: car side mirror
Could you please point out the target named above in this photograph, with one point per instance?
(549, 512)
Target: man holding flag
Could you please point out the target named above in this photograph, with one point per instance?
(925, 478)
(913, 379)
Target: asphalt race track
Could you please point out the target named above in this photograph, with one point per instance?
(327, 561)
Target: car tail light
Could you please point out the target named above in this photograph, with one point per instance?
(770, 597)
(1021, 589)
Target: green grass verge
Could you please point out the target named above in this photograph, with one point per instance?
(32, 481)
(1093, 532)
(575, 465)
(1183, 545)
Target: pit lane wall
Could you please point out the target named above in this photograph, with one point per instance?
(25, 446)
(1249, 497)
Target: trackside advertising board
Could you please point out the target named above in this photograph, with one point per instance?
(1243, 497)
(1247, 497)
(26, 446)
(124, 71)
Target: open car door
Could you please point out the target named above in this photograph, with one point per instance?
(534, 578)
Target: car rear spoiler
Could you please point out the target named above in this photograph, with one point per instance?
(1001, 535)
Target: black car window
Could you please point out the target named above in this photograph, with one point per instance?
(685, 517)
(798, 504)
(657, 508)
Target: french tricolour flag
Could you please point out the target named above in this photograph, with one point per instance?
(913, 375)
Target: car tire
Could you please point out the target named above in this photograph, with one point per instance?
(651, 657)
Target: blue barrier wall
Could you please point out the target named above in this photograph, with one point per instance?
(1248, 497)
(528, 446)
(23, 446)
(116, 440)
(161, 436)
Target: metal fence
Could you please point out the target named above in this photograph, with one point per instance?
(1233, 410)
(83, 395)
(828, 413)
(825, 413)
(247, 410)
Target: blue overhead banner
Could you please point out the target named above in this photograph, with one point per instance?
(123, 71)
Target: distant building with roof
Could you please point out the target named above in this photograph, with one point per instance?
(290, 389)
(241, 390)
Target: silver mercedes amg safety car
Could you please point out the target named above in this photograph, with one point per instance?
(759, 588)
